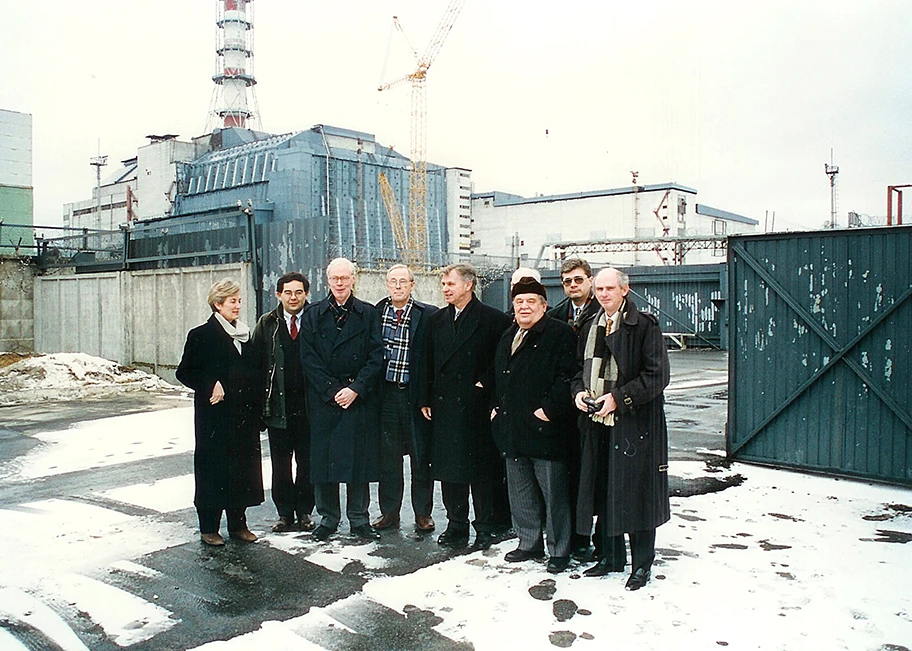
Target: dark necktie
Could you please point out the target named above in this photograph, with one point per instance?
(398, 317)
(294, 327)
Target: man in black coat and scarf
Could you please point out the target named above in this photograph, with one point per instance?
(455, 396)
(342, 356)
(619, 389)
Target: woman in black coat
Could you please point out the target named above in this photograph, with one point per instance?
(219, 364)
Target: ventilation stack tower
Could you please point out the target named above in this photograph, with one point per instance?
(234, 67)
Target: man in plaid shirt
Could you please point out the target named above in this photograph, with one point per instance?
(403, 323)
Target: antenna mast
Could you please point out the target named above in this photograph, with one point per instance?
(831, 171)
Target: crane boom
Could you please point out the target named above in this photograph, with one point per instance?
(395, 217)
(417, 233)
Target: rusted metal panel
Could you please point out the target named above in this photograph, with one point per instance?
(821, 354)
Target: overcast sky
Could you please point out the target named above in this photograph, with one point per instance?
(741, 101)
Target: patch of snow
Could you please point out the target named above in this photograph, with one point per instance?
(18, 607)
(333, 555)
(125, 618)
(93, 537)
(106, 442)
(70, 376)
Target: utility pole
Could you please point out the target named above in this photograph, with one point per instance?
(98, 162)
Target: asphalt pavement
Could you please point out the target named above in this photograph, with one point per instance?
(221, 593)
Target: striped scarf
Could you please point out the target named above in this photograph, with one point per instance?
(599, 368)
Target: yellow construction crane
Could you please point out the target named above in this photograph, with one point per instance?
(417, 233)
(395, 219)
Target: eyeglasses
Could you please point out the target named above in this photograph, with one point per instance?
(339, 279)
(576, 280)
(398, 283)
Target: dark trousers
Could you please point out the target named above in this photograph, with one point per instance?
(398, 440)
(211, 519)
(538, 496)
(357, 503)
(642, 549)
(456, 501)
(292, 491)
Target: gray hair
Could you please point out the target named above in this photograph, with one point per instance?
(222, 290)
(464, 270)
(623, 279)
(337, 261)
(400, 266)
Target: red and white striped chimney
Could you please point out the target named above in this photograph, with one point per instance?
(234, 67)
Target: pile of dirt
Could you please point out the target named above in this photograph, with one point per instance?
(7, 359)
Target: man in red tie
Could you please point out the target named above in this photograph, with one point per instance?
(284, 412)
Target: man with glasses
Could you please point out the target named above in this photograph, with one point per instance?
(403, 323)
(580, 304)
(342, 356)
(578, 308)
(284, 411)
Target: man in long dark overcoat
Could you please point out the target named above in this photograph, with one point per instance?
(342, 356)
(624, 371)
(532, 422)
(455, 397)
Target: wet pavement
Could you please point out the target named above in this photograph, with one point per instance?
(220, 593)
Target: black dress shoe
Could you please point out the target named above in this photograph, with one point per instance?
(284, 524)
(322, 533)
(453, 538)
(638, 579)
(602, 568)
(520, 555)
(557, 564)
(365, 532)
(483, 540)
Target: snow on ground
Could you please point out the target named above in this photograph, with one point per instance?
(53, 537)
(106, 442)
(125, 618)
(784, 561)
(70, 376)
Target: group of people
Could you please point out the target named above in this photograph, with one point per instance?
(548, 419)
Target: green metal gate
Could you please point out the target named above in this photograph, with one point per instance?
(820, 354)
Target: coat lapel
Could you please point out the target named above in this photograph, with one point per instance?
(469, 321)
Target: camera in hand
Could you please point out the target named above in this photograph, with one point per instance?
(591, 405)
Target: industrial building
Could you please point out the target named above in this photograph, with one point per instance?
(636, 225)
(16, 192)
(282, 201)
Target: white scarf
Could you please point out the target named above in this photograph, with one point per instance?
(239, 332)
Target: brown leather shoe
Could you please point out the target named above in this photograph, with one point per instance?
(424, 523)
(243, 534)
(386, 522)
(212, 539)
(306, 523)
(284, 524)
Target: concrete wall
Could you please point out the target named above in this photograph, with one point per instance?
(136, 318)
(141, 318)
(371, 287)
(17, 280)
